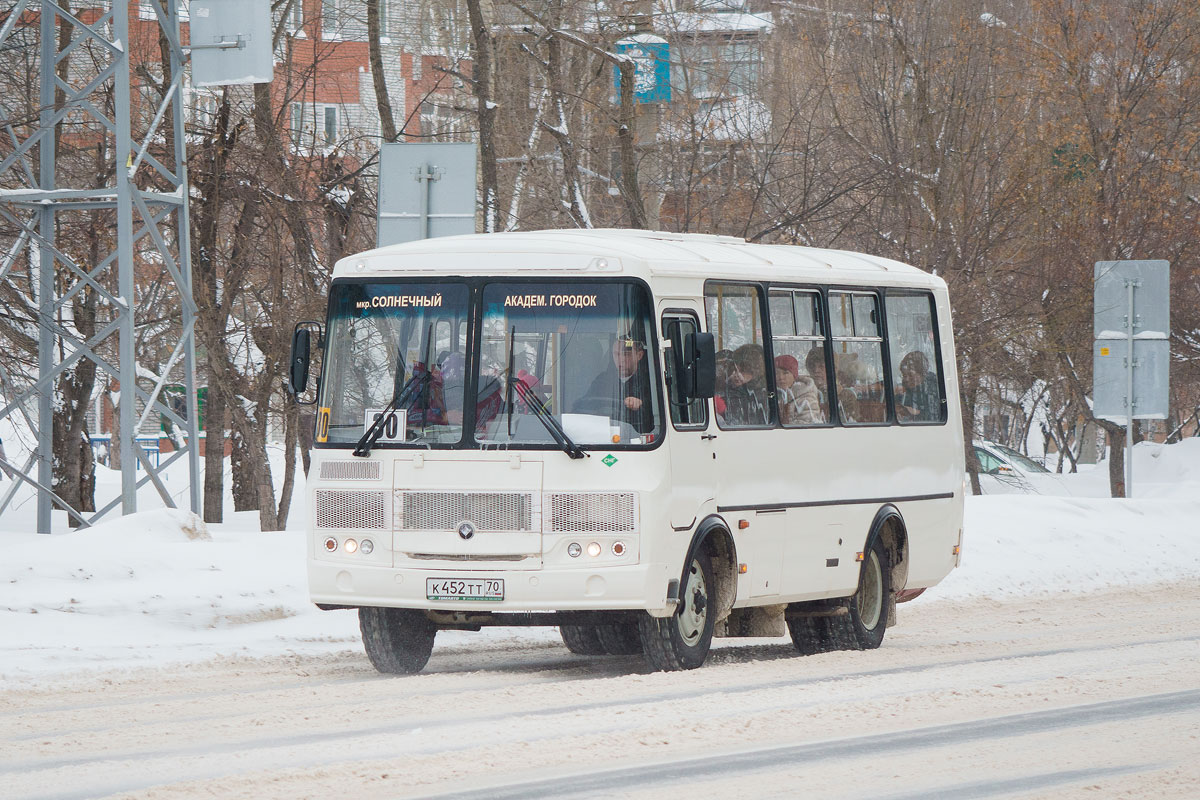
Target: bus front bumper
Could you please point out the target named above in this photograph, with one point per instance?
(610, 588)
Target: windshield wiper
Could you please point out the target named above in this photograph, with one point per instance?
(400, 395)
(550, 422)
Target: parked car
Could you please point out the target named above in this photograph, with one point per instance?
(1003, 470)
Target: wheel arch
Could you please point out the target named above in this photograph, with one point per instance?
(889, 527)
(713, 536)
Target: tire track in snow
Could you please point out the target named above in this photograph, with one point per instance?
(677, 773)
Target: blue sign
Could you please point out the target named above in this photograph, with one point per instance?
(652, 76)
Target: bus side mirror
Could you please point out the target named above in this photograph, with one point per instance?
(700, 365)
(301, 357)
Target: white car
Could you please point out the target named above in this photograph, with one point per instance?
(1003, 470)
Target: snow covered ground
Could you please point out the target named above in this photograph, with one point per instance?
(160, 587)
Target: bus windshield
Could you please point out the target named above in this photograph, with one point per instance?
(577, 352)
(389, 337)
(555, 358)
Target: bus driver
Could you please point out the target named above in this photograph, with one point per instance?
(626, 386)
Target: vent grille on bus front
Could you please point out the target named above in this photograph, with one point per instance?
(351, 509)
(576, 512)
(350, 470)
(443, 511)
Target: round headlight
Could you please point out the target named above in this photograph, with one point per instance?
(618, 548)
(573, 549)
(366, 547)
(594, 549)
(330, 544)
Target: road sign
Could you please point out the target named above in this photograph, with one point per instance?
(230, 42)
(1153, 297)
(1131, 354)
(1111, 382)
(425, 190)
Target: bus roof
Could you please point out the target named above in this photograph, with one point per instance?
(610, 251)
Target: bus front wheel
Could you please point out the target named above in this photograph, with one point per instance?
(681, 641)
(397, 640)
(582, 640)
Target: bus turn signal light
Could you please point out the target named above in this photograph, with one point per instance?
(743, 569)
(743, 524)
(858, 556)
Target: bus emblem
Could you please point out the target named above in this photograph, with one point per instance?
(609, 460)
(466, 530)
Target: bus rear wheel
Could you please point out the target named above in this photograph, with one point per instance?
(681, 641)
(397, 640)
(867, 621)
(855, 623)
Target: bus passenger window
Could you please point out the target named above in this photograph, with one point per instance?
(916, 378)
(857, 357)
(801, 387)
(734, 314)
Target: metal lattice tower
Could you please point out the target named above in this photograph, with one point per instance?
(84, 64)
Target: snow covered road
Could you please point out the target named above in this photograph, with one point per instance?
(1070, 695)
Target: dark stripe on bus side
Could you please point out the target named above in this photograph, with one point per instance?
(813, 503)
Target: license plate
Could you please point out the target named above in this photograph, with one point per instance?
(464, 588)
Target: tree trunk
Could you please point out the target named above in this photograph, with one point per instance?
(482, 48)
(214, 454)
(244, 463)
(306, 424)
(1115, 437)
(383, 101)
(631, 192)
(291, 424)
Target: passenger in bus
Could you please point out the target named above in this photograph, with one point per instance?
(623, 391)
(917, 398)
(799, 403)
(746, 397)
(814, 363)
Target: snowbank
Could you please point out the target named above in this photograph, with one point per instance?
(160, 586)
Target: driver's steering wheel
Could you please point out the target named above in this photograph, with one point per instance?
(598, 406)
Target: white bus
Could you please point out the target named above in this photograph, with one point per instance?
(646, 439)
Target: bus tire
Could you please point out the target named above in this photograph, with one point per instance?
(864, 626)
(681, 641)
(398, 641)
(621, 638)
(582, 640)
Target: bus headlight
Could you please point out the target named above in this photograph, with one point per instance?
(366, 547)
(330, 544)
(573, 549)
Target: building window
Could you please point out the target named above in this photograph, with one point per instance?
(331, 124)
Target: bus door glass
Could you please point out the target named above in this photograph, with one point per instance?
(693, 467)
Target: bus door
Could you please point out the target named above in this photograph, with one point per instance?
(693, 464)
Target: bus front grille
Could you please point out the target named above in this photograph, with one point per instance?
(592, 512)
(350, 470)
(337, 509)
(487, 511)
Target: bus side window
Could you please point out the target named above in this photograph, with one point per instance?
(798, 341)
(685, 412)
(857, 357)
(734, 314)
(916, 363)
